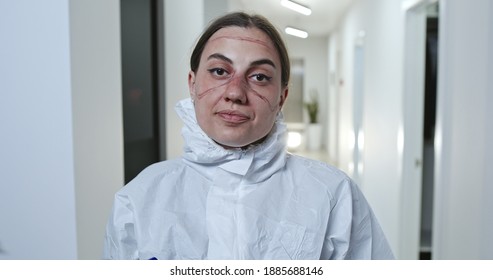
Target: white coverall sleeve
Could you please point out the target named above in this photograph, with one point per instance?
(353, 231)
(120, 241)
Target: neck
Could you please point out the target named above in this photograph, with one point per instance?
(243, 148)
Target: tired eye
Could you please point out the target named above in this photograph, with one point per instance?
(261, 77)
(217, 71)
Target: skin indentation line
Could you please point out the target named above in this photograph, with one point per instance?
(242, 38)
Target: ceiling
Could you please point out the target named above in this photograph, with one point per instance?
(324, 17)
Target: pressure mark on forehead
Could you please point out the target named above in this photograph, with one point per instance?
(242, 38)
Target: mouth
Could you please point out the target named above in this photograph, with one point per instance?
(232, 116)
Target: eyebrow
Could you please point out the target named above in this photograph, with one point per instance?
(263, 61)
(254, 63)
(220, 57)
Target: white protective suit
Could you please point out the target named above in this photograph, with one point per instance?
(258, 203)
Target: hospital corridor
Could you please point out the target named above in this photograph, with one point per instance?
(398, 94)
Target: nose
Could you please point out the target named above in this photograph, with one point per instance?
(236, 91)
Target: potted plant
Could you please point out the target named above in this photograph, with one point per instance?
(314, 131)
(312, 107)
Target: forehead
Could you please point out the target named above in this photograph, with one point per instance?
(251, 36)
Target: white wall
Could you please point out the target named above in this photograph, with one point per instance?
(463, 225)
(37, 201)
(487, 225)
(180, 38)
(382, 115)
(97, 117)
(382, 23)
(213, 9)
(333, 110)
(60, 120)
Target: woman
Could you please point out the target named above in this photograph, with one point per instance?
(236, 193)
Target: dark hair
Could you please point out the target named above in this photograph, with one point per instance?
(244, 20)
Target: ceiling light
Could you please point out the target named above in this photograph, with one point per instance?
(296, 7)
(296, 32)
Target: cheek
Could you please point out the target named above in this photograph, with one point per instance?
(204, 107)
(270, 98)
(266, 111)
(207, 86)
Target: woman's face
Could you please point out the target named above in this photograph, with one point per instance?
(237, 87)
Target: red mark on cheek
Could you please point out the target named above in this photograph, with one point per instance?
(200, 95)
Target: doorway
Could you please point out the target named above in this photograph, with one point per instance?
(141, 84)
(430, 96)
(419, 103)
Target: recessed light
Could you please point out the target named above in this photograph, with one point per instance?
(296, 32)
(296, 7)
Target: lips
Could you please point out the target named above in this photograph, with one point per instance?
(233, 116)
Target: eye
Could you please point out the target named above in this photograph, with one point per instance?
(217, 72)
(261, 77)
